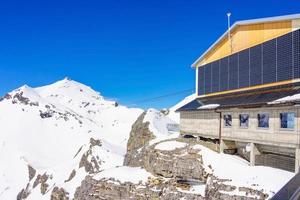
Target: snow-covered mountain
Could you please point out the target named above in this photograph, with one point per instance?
(53, 137)
(45, 127)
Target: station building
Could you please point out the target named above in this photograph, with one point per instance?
(248, 92)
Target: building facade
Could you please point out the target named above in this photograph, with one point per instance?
(247, 86)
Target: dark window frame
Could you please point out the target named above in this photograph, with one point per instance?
(224, 120)
(240, 122)
(280, 121)
(258, 120)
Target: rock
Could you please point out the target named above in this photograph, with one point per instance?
(140, 135)
(46, 114)
(73, 173)
(217, 189)
(44, 187)
(59, 194)
(176, 163)
(91, 163)
(21, 99)
(6, 96)
(24, 193)
(31, 172)
(183, 163)
(184, 166)
(111, 189)
(42, 180)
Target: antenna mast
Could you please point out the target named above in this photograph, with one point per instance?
(229, 35)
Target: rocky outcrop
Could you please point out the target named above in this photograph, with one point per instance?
(177, 172)
(24, 193)
(92, 189)
(31, 172)
(180, 163)
(42, 180)
(90, 162)
(59, 194)
(140, 135)
(217, 189)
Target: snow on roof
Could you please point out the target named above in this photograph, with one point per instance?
(173, 114)
(295, 97)
(209, 106)
(247, 22)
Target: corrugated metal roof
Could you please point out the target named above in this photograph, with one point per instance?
(259, 97)
(247, 22)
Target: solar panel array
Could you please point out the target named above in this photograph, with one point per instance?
(272, 61)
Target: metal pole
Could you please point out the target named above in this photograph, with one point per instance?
(229, 36)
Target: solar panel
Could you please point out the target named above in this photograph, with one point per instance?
(269, 61)
(284, 57)
(233, 71)
(296, 53)
(274, 60)
(255, 65)
(215, 76)
(224, 74)
(207, 76)
(201, 80)
(244, 68)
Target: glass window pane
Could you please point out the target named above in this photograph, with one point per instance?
(244, 120)
(228, 120)
(263, 120)
(287, 120)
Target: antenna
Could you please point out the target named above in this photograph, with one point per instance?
(229, 35)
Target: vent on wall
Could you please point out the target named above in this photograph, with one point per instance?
(272, 61)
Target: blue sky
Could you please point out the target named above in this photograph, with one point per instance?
(127, 50)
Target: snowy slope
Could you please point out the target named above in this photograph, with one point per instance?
(44, 127)
(67, 130)
(175, 116)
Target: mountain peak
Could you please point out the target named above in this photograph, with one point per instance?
(67, 78)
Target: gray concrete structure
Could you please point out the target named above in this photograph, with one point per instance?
(263, 144)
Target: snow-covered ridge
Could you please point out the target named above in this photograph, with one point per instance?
(45, 127)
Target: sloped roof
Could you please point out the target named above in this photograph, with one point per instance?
(248, 22)
(259, 97)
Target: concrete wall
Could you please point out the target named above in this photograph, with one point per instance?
(203, 123)
(206, 123)
(273, 146)
(274, 135)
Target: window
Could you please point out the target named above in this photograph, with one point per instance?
(227, 120)
(263, 120)
(244, 120)
(287, 120)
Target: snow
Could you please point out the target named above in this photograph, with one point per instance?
(125, 174)
(175, 116)
(79, 113)
(170, 145)
(295, 97)
(158, 123)
(195, 189)
(50, 144)
(209, 106)
(239, 173)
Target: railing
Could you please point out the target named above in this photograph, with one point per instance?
(290, 191)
